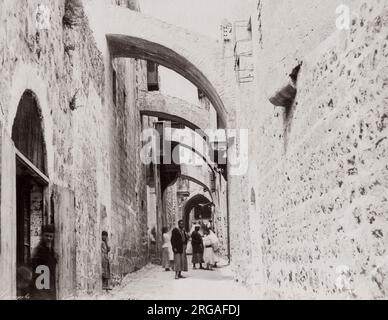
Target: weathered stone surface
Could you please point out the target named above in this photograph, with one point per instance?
(319, 172)
(93, 149)
(7, 219)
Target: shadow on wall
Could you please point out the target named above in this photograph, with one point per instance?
(285, 97)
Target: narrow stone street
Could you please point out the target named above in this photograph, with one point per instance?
(153, 283)
(133, 132)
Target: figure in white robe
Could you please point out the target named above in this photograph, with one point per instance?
(216, 245)
(208, 254)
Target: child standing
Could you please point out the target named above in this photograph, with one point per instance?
(105, 261)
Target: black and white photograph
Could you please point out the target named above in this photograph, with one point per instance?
(193, 150)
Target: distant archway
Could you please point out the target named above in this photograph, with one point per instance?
(174, 109)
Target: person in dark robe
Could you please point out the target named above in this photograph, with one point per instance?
(197, 245)
(179, 239)
(44, 259)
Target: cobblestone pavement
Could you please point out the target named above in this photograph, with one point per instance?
(153, 283)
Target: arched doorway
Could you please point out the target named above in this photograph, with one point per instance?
(197, 208)
(31, 178)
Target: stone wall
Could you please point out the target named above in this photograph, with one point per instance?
(128, 177)
(92, 145)
(221, 220)
(316, 188)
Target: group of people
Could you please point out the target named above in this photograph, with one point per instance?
(173, 256)
(174, 248)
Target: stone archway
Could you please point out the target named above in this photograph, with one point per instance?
(122, 33)
(31, 179)
(176, 110)
(26, 77)
(200, 203)
(197, 174)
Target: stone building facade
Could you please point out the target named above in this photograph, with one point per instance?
(315, 196)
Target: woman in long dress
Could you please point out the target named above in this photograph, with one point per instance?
(167, 253)
(208, 254)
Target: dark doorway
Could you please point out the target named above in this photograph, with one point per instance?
(29, 209)
(31, 182)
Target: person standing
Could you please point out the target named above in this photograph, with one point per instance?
(208, 254)
(43, 263)
(167, 253)
(105, 249)
(197, 244)
(179, 240)
(215, 244)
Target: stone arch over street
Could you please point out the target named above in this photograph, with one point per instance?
(129, 34)
(199, 175)
(193, 142)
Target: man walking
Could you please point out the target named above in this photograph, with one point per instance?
(179, 240)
